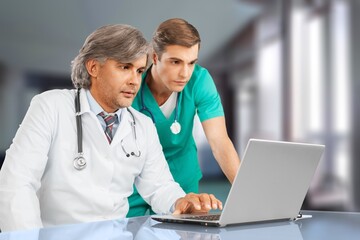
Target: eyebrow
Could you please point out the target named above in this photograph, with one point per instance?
(178, 59)
(126, 63)
(132, 65)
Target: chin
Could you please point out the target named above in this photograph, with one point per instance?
(178, 89)
(125, 104)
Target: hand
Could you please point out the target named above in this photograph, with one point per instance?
(197, 203)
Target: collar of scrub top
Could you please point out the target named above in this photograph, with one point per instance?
(175, 126)
(143, 106)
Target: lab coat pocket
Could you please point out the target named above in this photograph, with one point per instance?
(130, 155)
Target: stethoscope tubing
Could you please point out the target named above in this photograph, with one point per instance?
(78, 121)
(146, 109)
(79, 161)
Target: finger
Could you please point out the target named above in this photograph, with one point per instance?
(193, 203)
(216, 203)
(205, 201)
(183, 205)
(194, 200)
(220, 205)
(177, 212)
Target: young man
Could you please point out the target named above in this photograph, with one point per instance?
(173, 90)
(78, 162)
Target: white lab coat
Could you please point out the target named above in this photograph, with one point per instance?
(39, 185)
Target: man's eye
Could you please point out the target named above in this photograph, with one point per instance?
(125, 67)
(175, 62)
(140, 71)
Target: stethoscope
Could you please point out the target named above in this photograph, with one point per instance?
(79, 161)
(175, 126)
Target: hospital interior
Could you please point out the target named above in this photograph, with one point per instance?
(285, 70)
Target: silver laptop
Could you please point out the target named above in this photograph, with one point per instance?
(271, 184)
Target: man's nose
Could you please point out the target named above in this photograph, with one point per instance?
(135, 78)
(185, 71)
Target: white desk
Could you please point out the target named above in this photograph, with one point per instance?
(322, 225)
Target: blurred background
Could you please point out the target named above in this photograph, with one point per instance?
(285, 69)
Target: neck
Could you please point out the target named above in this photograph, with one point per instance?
(102, 104)
(157, 88)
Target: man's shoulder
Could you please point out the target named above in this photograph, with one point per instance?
(199, 79)
(200, 74)
(54, 98)
(200, 70)
(55, 94)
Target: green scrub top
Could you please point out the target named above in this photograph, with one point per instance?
(199, 96)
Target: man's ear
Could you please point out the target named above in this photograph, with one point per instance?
(154, 58)
(92, 66)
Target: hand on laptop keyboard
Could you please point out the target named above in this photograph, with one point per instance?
(197, 203)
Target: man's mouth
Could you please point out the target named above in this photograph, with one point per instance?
(129, 93)
(180, 82)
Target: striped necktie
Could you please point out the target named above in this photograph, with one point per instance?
(109, 120)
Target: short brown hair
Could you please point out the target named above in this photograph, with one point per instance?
(175, 31)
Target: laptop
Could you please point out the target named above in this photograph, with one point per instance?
(270, 185)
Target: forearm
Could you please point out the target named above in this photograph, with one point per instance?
(161, 192)
(227, 158)
(19, 210)
(155, 183)
(21, 173)
(222, 147)
(19, 205)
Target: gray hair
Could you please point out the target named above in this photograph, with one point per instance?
(120, 42)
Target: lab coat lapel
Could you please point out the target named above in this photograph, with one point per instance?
(124, 127)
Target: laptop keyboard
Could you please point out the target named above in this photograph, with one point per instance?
(204, 217)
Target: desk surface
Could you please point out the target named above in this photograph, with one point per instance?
(322, 225)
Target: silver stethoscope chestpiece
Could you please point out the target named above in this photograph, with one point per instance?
(175, 127)
(79, 162)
